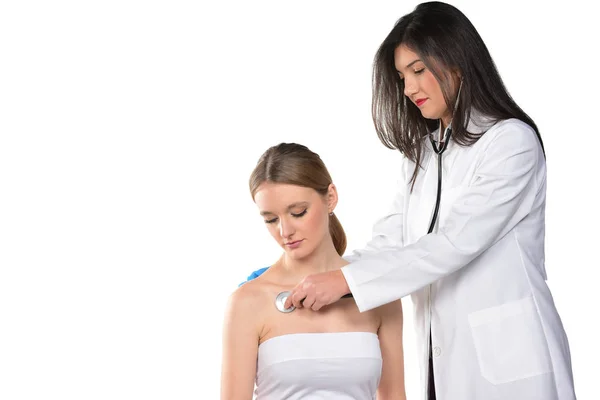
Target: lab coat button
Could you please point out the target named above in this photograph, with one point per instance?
(437, 351)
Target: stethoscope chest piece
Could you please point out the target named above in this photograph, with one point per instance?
(280, 302)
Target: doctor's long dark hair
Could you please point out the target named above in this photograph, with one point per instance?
(295, 164)
(445, 41)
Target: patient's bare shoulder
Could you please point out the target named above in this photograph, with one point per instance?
(246, 304)
(249, 295)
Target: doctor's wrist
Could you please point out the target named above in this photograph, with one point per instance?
(344, 288)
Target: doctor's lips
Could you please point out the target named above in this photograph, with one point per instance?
(294, 244)
(419, 102)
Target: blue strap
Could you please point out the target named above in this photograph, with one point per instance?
(255, 274)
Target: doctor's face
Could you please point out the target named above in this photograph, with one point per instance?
(420, 85)
(297, 217)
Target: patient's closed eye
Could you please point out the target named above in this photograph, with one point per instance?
(301, 214)
(295, 215)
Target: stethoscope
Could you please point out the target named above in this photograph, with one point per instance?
(280, 302)
(439, 150)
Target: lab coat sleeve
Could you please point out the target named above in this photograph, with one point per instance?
(501, 194)
(388, 232)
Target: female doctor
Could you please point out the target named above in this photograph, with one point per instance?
(465, 233)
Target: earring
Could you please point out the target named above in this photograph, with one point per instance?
(331, 214)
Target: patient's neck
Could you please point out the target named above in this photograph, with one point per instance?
(324, 258)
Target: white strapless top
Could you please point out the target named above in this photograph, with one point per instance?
(337, 366)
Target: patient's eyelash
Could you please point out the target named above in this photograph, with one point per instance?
(300, 214)
(273, 220)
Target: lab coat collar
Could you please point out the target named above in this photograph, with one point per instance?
(478, 124)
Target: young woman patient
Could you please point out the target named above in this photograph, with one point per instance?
(338, 353)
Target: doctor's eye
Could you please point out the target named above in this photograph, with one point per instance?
(300, 214)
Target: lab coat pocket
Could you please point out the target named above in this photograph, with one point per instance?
(510, 342)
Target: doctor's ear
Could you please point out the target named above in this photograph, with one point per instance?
(455, 75)
(458, 77)
(331, 197)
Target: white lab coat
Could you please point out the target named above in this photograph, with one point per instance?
(479, 279)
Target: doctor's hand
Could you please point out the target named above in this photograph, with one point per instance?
(318, 290)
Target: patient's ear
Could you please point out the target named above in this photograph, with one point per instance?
(331, 197)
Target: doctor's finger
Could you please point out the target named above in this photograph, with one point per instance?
(290, 300)
(320, 301)
(298, 297)
(309, 301)
(317, 305)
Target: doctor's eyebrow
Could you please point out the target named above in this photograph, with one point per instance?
(293, 205)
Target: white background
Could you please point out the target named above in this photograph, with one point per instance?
(128, 131)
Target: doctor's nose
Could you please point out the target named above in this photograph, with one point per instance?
(410, 88)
